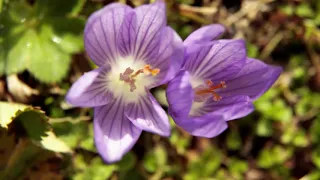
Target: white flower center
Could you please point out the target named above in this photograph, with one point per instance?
(128, 78)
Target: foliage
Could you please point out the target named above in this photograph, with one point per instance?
(41, 42)
(40, 38)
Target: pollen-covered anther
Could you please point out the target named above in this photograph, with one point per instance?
(210, 89)
(129, 75)
(148, 70)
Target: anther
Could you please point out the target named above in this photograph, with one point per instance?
(202, 91)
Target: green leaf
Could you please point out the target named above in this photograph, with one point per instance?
(87, 143)
(237, 167)
(315, 156)
(49, 63)
(20, 54)
(127, 162)
(149, 162)
(52, 143)
(314, 175)
(304, 10)
(275, 155)
(95, 170)
(40, 41)
(206, 165)
(34, 122)
(72, 133)
(287, 9)
(264, 127)
(253, 50)
(156, 159)
(233, 140)
(59, 7)
(315, 130)
(300, 138)
(66, 33)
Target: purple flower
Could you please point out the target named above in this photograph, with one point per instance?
(217, 83)
(135, 51)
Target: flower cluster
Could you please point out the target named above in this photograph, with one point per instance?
(209, 81)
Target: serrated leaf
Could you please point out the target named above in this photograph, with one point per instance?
(8, 112)
(34, 122)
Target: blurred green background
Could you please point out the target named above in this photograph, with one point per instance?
(42, 137)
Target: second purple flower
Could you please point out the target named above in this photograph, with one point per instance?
(217, 83)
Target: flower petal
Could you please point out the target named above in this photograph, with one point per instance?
(207, 126)
(222, 60)
(151, 19)
(180, 95)
(229, 108)
(204, 34)
(101, 32)
(148, 115)
(253, 80)
(114, 134)
(90, 89)
(96, 15)
(169, 58)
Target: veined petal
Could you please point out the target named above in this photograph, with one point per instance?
(114, 134)
(254, 79)
(180, 95)
(204, 34)
(127, 35)
(94, 16)
(220, 60)
(169, 58)
(148, 115)
(229, 108)
(151, 19)
(101, 32)
(90, 89)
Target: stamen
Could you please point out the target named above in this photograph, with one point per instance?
(202, 92)
(147, 70)
(129, 75)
